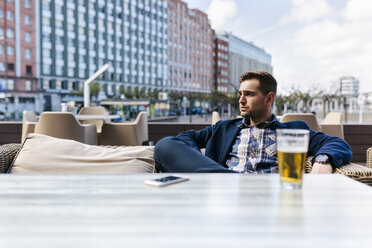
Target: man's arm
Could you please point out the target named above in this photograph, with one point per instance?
(198, 139)
(321, 168)
(337, 149)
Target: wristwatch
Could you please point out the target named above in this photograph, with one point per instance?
(322, 159)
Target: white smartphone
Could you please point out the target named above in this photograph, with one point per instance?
(163, 181)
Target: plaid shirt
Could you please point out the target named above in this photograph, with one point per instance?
(254, 150)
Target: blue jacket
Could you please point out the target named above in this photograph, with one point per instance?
(219, 139)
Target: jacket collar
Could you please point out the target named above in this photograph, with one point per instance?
(266, 124)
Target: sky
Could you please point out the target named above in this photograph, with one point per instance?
(312, 42)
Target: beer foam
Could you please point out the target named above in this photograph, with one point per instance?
(296, 149)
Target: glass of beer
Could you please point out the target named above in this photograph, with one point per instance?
(292, 146)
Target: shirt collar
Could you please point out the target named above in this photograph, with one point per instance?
(265, 124)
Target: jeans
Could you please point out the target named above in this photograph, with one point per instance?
(174, 155)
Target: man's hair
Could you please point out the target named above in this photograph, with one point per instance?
(267, 81)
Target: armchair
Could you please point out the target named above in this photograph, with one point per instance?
(64, 125)
(93, 111)
(125, 133)
(369, 157)
(332, 125)
(310, 119)
(29, 121)
(215, 117)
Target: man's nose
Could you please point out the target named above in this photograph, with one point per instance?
(241, 99)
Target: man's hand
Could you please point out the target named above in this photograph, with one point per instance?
(319, 168)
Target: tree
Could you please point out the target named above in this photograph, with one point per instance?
(94, 89)
(306, 97)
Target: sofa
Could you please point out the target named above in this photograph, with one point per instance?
(45, 154)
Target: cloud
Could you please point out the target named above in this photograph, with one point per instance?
(334, 46)
(220, 12)
(358, 10)
(308, 11)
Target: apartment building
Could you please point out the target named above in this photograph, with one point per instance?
(349, 88)
(244, 56)
(79, 37)
(18, 82)
(190, 49)
(49, 48)
(221, 63)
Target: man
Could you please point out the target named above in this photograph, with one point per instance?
(246, 145)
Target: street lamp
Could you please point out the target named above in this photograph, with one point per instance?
(90, 80)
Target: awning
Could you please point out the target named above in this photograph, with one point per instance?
(131, 103)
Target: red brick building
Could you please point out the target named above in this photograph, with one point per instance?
(221, 64)
(190, 49)
(17, 55)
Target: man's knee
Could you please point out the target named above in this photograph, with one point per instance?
(165, 145)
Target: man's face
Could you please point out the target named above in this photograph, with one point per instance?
(251, 101)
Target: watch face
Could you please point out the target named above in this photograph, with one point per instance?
(322, 159)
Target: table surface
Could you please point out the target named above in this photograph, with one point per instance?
(96, 117)
(209, 210)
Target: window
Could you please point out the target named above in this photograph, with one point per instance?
(75, 85)
(59, 39)
(28, 37)
(29, 70)
(45, 6)
(10, 50)
(81, 30)
(46, 53)
(70, 27)
(46, 69)
(9, 33)
(27, 4)
(9, 15)
(11, 67)
(1, 31)
(27, 20)
(58, 9)
(10, 85)
(70, 72)
(82, 73)
(70, 42)
(1, 13)
(46, 38)
(46, 21)
(59, 70)
(28, 54)
(28, 85)
(2, 67)
(65, 85)
(59, 24)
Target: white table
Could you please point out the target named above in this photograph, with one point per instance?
(97, 117)
(210, 210)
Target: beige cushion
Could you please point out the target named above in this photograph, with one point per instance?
(45, 154)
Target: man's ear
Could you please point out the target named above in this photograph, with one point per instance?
(270, 97)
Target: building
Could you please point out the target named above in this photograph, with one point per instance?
(190, 49)
(349, 87)
(18, 83)
(79, 37)
(70, 40)
(221, 63)
(244, 56)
